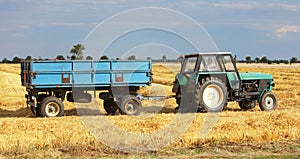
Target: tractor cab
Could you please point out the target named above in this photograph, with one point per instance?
(211, 64)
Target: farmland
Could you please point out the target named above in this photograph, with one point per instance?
(235, 133)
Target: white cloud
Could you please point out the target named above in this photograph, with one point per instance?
(67, 24)
(24, 27)
(240, 5)
(223, 5)
(234, 6)
(18, 35)
(290, 7)
(283, 30)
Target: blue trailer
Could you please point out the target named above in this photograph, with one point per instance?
(50, 82)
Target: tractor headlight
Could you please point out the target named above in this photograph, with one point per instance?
(273, 84)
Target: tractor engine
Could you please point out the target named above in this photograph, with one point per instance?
(250, 86)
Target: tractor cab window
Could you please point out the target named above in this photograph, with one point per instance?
(210, 64)
(231, 72)
(228, 64)
(189, 64)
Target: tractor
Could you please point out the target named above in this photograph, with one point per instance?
(208, 81)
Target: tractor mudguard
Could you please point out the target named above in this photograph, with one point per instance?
(261, 94)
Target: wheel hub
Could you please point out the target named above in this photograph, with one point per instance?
(130, 107)
(52, 109)
(212, 96)
(269, 102)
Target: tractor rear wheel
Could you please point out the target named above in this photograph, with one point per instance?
(268, 101)
(246, 104)
(212, 95)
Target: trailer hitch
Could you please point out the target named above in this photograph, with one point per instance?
(141, 97)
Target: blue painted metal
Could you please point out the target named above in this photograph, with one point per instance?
(63, 74)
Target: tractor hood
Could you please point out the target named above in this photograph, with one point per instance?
(255, 76)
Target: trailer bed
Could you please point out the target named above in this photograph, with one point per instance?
(69, 74)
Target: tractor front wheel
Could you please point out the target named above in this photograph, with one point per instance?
(268, 101)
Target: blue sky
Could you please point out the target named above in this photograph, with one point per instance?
(47, 28)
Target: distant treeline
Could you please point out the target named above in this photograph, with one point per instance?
(248, 59)
(77, 54)
(264, 59)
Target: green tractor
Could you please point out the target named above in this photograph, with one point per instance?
(208, 81)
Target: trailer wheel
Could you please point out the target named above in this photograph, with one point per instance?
(50, 107)
(247, 105)
(130, 105)
(110, 106)
(212, 95)
(268, 101)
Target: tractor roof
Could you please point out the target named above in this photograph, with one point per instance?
(209, 53)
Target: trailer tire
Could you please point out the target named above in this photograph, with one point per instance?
(268, 101)
(130, 105)
(247, 105)
(110, 107)
(212, 95)
(50, 107)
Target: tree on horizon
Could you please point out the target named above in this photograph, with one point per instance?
(89, 58)
(5, 60)
(293, 60)
(264, 59)
(60, 57)
(132, 57)
(77, 52)
(16, 59)
(104, 57)
(248, 59)
(257, 60)
(28, 57)
(164, 58)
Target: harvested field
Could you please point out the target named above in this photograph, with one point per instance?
(235, 133)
